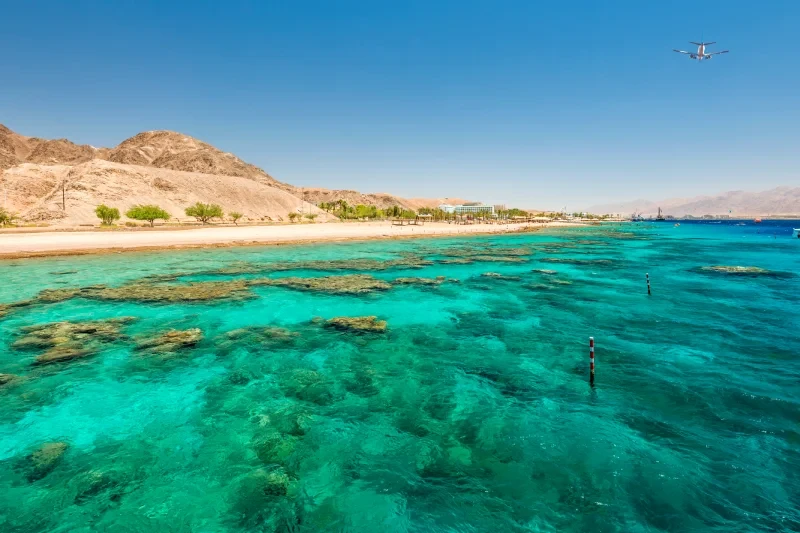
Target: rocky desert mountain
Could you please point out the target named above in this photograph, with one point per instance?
(166, 168)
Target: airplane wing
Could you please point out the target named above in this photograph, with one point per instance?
(682, 52)
(717, 53)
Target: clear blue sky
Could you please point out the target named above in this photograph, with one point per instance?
(536, 104)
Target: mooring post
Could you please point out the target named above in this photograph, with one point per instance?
(648, 284)
(591, 361)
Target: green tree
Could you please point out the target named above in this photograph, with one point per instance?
(311, 216)
(235, 216)
(204, 212)
(107, 214)
(6, 217)
(150, 213)
(293, 216)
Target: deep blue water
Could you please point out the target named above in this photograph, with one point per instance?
(472, 412)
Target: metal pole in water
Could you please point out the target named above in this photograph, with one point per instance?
(648, 284)
(591, 361)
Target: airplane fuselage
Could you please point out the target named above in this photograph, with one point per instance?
(701, 53)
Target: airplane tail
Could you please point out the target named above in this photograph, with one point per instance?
(701, 44)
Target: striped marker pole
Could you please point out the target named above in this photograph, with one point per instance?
(591, 361)
(648, 284)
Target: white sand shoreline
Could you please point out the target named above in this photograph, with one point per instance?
(52, 243)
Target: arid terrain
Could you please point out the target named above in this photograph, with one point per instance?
(59, 183)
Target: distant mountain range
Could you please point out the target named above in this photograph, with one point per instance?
(781, 201)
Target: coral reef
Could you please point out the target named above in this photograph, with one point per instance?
(7, 379)
(570, 261)
(482, 251)
(349, 284)
(307, 385)
(740, 270)
(503, 277)
(261, 334)
(438, 280)
(361, 324)
(61, 354)
(44, 460)
(189, 292)
(66, 341)
(171, 341)
(362, 264)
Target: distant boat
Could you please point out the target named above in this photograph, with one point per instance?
(796, 233)
(757, 221)
(660, 217)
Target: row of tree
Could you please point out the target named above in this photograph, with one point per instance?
(345, 211)
(202, 212)
(150, 213)
(294, 217)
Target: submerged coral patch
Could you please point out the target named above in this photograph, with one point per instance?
(189, 292)
(438, 280)
(66, 341)
(44, 460)
(736, 270)
(359, 324)
(571, 261)
(170, 341)
(335, 265)
(348, 284)
(498, 276)
(7, 379)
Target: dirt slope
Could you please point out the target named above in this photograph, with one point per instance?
(35, 191)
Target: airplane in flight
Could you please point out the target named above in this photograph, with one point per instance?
(701, 52)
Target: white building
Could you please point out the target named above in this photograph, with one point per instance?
(467, 209)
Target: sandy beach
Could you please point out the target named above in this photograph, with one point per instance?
(49, 243)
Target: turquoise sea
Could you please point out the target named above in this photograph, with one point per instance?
(471, 412)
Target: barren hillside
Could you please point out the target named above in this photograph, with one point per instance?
(160, 167)
(35, 191)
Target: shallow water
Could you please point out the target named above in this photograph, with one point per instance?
(472, 412)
